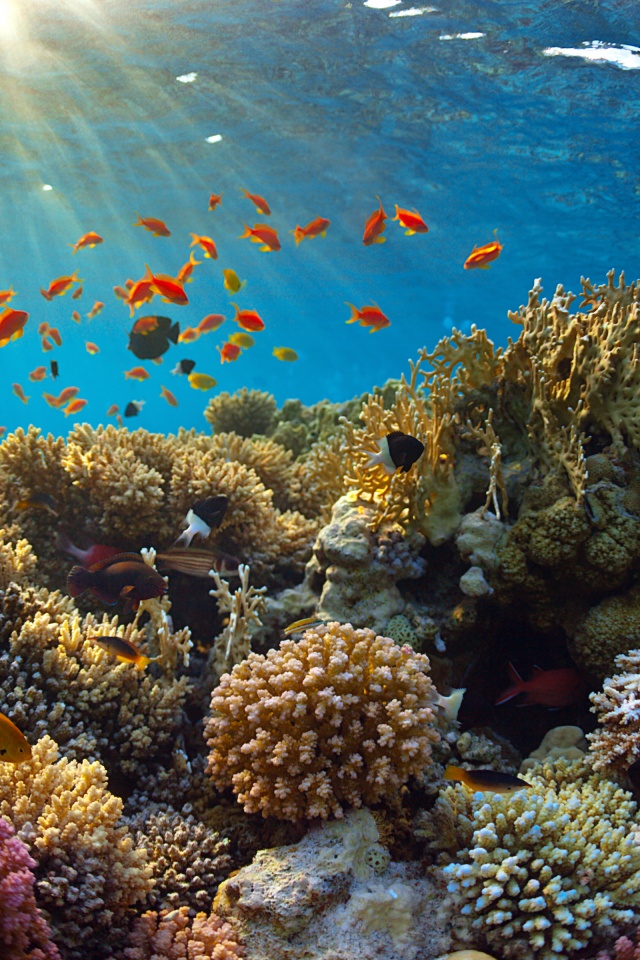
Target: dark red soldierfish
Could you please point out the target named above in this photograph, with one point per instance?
(551, 688)
(94, 553)
(123, 577)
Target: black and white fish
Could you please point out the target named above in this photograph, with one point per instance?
(397, 451)
(201, 519)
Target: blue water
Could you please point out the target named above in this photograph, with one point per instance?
(321, 106)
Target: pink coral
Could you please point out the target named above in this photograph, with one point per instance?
(24, 935)
(174, 936)
(623, 949)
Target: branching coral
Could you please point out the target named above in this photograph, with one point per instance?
(545, 871)
(615, 743)
(342, 717)
(244, 607)
(173, 935)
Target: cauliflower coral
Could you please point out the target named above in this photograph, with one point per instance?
(340, 717)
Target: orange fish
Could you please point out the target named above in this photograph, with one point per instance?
(169, 397)
(77, 293)
(19, 392)
(248, 319)
(113, 410)
(170, 289)
(54, 333)
(207, 245)
(262, 233)
(481, 257)
(211, 322)
(371, 316)
(95, 309)
(88, 240)
(140, 292)
(229, 352)
(157, 227)
(260, 203)
(6, 296)
(38, 374)
(136, 373)
(76, 316)
(375, 227)
(66, 395)
(12, 324)
(92, 348)
(185, 271)
(3, 430)
(411, 221)
(75, 406)
(214, 200)
(43, 329)
(46, 344)
(50, 399)
(188, 335)
(317, 228)
(121, 292)
(145, 325)
(59, 286)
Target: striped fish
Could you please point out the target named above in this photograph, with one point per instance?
(198, 563)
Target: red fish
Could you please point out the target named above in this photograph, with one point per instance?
(124, 576)
(75, 406)
(229, 352)
(93, 554)
(248, 319)
(189, 334)
(170, 289)
(66, 395)
(38, 374)
(206, 244)
(214, 200)
(92, 348)
(54, 333)
(90, 240)
(59, 286)
(371, 316)
(411, 221)
(140, 292)
(551, 688)
(375, 227)
(157, 227)
(262, 233)
(317, 228)
(95, 309)
(12, 323)
(121, 292)
(136, 373)
(169, 397)
(75, 316)
(481, 257)
(211, 322)
(185, 271)
(19, 392)
(260, 203)
(77, 293)
(113, 410)
(6, 296)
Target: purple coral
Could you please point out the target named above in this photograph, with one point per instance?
(24, 935)
(623, 949)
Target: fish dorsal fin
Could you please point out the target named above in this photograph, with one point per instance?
(514, 676)
(395, 433)
(117, 558)
(537, 671)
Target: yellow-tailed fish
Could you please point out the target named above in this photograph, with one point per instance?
(285, 353)
(242, 340)
(14, 747)
(490, 781)
(298, 626)
(201, 381)
(232, 281)
(124, 650)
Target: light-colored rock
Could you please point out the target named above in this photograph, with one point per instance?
(564, 741)
(473, 583)
(478, 538)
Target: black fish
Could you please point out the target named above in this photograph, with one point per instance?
(133, 408)
(123, 577)
(183, 366)
(201, 518)
(54, 368)
(152, 343)
(397, 450)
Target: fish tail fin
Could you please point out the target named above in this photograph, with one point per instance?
(380, 240)
(454, 773)
(397, 216)
(194, 242)
(246, 233)
(517, 685)
(298, 235)
(78, 580)
(174, 332)
(408, 233)
(355, 316)
(64, 544)
(73, 247)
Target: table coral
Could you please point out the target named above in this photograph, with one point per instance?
(174, 935)
(24, 934)
(342, 717)
(547, 871)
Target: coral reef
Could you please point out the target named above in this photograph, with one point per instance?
(566, 741)
(244, 412)
(342, 717)
(623, 949)
(615, 743)
(174, 935)
(244, 607)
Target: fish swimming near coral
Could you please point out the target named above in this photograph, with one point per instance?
(198, 563)
(482, 257)
(93, 554)
(124, 650)
(486, 780)
(151, 336)
(38, 501)
(397, 451)
(299, 626)
(123, 577)
(550, 688)
(202, 518)
(183, 367)
(134, 407)
(14, 747)
(450, 705)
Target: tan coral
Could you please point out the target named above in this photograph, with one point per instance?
(244, 607)
(245, 412)
(173, 935)
(615, 743)
(17, 563)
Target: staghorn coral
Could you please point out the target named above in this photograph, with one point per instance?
(17, 563)
(546, 871)
(244, 607)
(342, 717)
(615, 743)
(24, 935)
(245, 412)
(174, 935)
(88, 871)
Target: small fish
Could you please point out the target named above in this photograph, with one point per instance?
(211, 322)
(185, 271)
(450, 705)
(38, 374)
(6, 296)
(53, 366)
(198, 563)
(411, 221)
(75, 316)
(242, 340)
(375, 227)
(90, 240)
(170, 289)
(133, 408)
(43, 328)
(396, 451)
(91, 347)
(285, 353)
(232, 281)
(262, 233)
(12, 324)
(38, 501)
(490, 781)
(157, 227)
(299, 626)
(171, 398)
(54, 333)
(50, 399)
(3, 430)
(215, 200)
(249, 320)
(260, 203)
(93, 554)
(201, 381)
(140, 292)
(124, 650)
(136, 373)
(66, 395)
(202, 518)
(481, 257)
(369, 316)
(59, 286)
(121, 292)
(95, 309)
(47, 344)
(189, 335)
(206, 244)
(124, 576)
(551, 688)
(317, 228)
(19, 392)
(75, 406)
(229, 352)
(14, 747)
(183, 366)
(151, 336)
(113, 410)
(77, 293)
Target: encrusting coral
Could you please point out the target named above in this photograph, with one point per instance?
(341, 717)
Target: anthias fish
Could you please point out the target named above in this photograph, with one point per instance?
(90, 240)
(171, 398)
(12, 324)
(123, 650)
(411, 221)
(396, 451)
(202, 518)
(316, 228)
(229, 352)
(550, 688)
(375, 226)
(206, 244)
(123, 577)
(262, 233)
(490, 781)
(157, 227)
(198, 563)
(215, 200)
(211, 322)
(259, 202)
(482, 257)
(14, 747)
(151, 336)
(249, 320)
